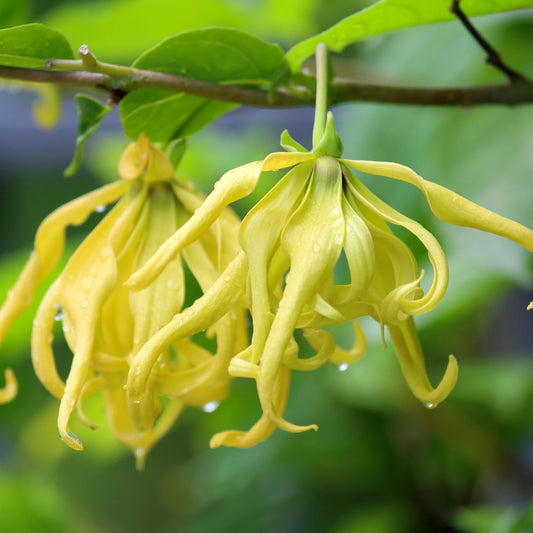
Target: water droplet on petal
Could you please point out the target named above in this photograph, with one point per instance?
(430, 405)
(343, 366)
(86, 283)
(100, 208)
(209, 407)
(335, 213)
(59, 314)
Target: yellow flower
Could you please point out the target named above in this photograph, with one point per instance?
(292, 240)
(105, 324)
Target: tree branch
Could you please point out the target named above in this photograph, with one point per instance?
(493, 56)
(118, 81)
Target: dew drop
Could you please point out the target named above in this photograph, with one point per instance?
(209, 407)
(343, 367)
(335, 213)
(430, 405)
(172, 285)
(86, 283)
(59, 314)
(100, 208)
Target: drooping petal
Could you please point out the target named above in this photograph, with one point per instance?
(409, 352)
(84, 286)
(42, 355)
(49, 246)
(272, 212)
(436, 255)
(314, 247)
(264, 427)
(233, 185)
(204, 312)
(450, 206)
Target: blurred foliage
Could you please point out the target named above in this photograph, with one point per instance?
(380, 463)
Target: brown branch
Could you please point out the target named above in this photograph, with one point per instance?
(493, 56)
(341, 91)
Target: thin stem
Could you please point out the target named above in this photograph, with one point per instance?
(340, 91)
(493, 56)
(321, 102)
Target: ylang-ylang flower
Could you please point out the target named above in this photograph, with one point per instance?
(292, 240)
(105, 324)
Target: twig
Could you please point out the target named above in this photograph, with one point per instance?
(493, 56)
(340, 91)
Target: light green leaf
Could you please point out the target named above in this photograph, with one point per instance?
(389, 15)
(31, 44)
(218, 55)
(90, 113)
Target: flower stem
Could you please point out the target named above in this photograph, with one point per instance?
(321, 103)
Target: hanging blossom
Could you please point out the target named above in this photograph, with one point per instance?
(105, 324)
(292, 240)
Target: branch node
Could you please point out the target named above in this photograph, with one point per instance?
(88, 59)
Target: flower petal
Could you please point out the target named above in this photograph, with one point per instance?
(232, 186)
(435, 253)
(10, 390)
(314, 246)
(450, 206)
(409, 352)
(264, 427)
(42, 355)
(204, 312)
(49, 246)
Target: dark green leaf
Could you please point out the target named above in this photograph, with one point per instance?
(217, 55)
(90, 112)
(389, 15)
(30, 45)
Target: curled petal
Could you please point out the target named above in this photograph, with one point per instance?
(409, 352)
(206, 310)
(264, 427)
(320, 338)
(450, 206)
(435, 253)
(10, 390)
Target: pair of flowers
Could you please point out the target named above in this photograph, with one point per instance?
(122, 293)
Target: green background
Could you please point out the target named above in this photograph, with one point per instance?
(381, 462)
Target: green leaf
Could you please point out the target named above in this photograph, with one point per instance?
(390, 15)
(217, 55)
(165, 116)
(90, 113)
(31, 44)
